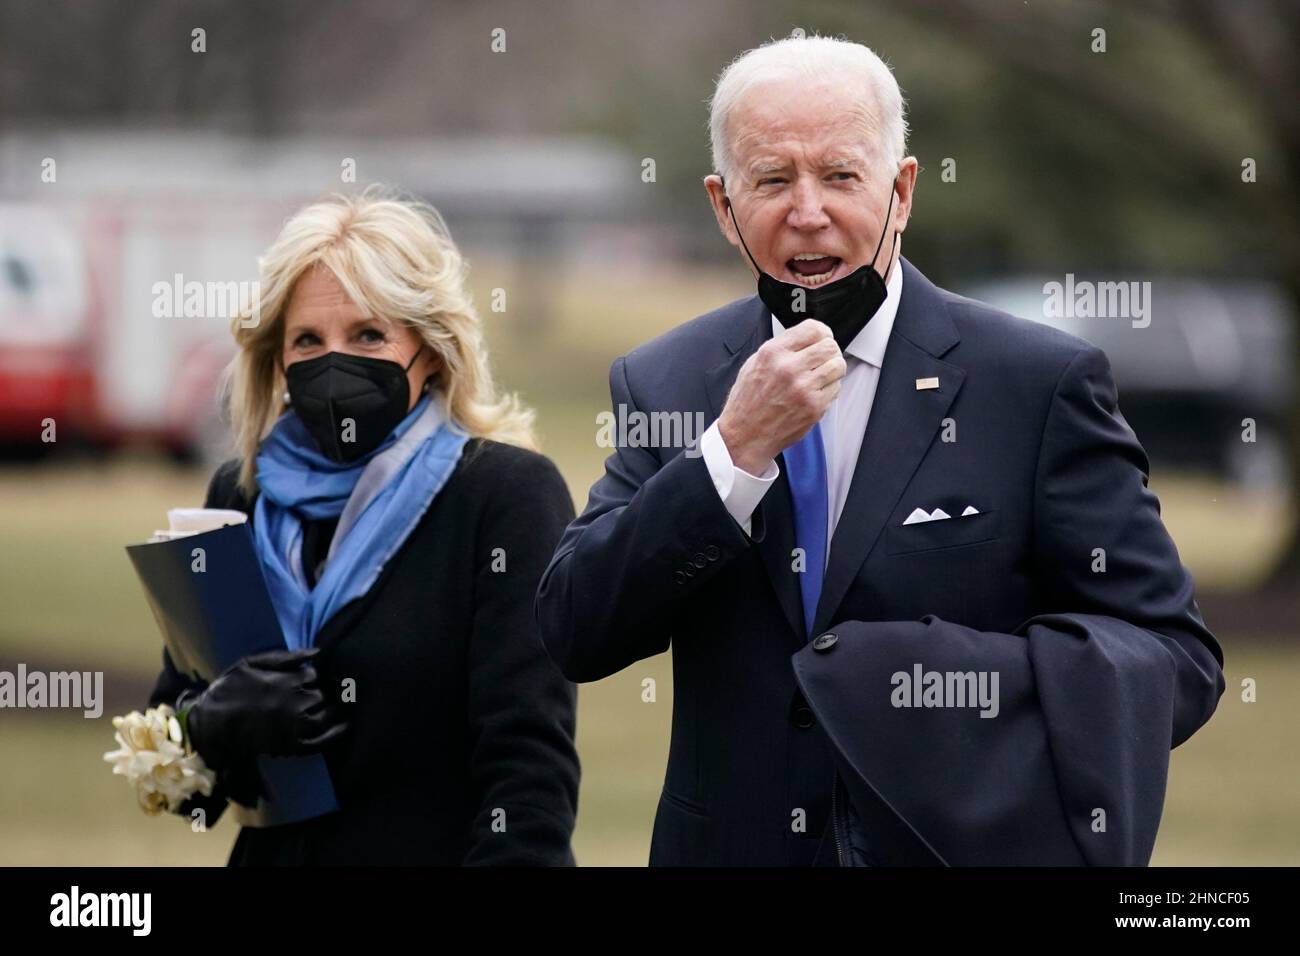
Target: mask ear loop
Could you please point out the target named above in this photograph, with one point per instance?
(893, 248)
(893, 245)
(731, 209)
(413, 358)
(424, 388)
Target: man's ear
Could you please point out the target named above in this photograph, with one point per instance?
(905, 189)
(721, 202)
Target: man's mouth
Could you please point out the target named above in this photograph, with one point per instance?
(812, 269)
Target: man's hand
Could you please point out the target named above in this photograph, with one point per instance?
(782, 390)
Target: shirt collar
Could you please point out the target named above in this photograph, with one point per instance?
(869, 344)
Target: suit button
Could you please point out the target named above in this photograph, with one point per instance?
(699, 560)
(689, 571)
(824, 642)
(712, 552)
(803, 717)
(679, 577)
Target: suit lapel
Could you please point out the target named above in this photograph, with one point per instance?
(904, 422)
(773, 523)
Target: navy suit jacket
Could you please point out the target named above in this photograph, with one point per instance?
(1065, 584)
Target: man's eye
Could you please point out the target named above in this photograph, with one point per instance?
(769, 180)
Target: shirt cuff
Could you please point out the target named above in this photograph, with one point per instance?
(739, 490)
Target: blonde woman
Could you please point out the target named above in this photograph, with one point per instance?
(402, 520)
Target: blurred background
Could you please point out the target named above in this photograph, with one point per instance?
(565, 144)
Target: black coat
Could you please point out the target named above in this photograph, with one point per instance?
(459, 713)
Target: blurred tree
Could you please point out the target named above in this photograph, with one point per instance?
(1185, 91)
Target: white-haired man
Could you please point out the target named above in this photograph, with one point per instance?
(922, 606)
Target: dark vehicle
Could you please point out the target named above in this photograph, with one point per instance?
(1192, 358)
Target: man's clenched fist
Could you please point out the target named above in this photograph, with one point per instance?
(782, 390)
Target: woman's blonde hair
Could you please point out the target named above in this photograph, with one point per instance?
(395, 259)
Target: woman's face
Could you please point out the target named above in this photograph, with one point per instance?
(320, 318)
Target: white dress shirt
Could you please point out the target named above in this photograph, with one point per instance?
(843, 426)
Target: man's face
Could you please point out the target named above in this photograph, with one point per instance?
(808, 189)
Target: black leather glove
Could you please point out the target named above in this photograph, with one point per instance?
(269, 703)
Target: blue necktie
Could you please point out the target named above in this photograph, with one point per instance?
(805, 461)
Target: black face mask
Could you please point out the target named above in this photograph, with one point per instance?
(846, 305)
(334, 388)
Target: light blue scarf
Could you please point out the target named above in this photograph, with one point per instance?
(378, 500)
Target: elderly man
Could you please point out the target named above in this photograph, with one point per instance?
(922, 606)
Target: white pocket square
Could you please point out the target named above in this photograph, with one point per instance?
(938, 514)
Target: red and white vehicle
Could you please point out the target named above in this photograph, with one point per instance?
(81, 340)
(91, 221)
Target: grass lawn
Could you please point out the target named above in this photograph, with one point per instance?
(1233, 789)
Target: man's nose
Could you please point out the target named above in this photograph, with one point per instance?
(807, 210)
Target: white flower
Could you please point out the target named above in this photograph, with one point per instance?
(164, 775)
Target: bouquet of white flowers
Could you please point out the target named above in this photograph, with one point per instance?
(150, 755)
